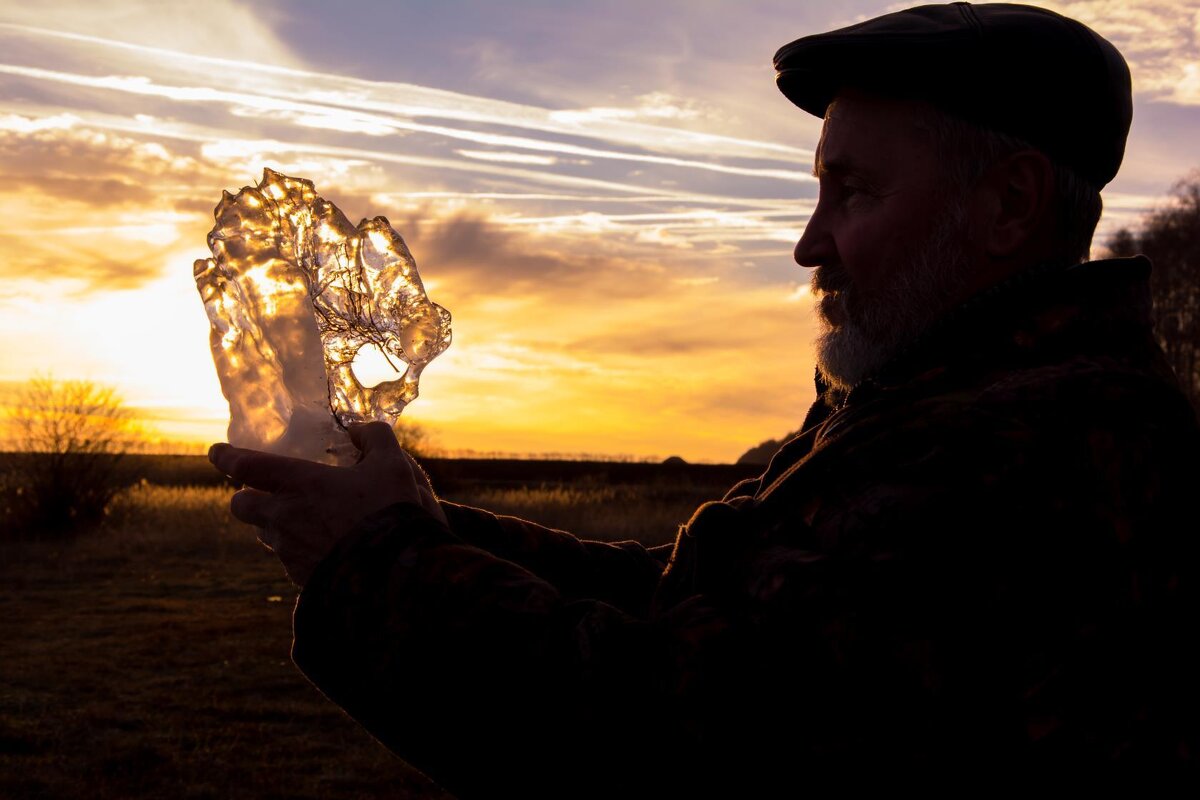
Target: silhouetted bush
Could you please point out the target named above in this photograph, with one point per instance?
(69, 438)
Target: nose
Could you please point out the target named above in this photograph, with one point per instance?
(816, 245)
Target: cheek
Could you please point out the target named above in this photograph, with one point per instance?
(867, 248)
(873, 245)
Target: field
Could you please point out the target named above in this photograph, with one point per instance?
(149, 658)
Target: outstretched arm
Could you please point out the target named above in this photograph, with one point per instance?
(623, 574)
(477, 671)
(316, 505)
(466, 663)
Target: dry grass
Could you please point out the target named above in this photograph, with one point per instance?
(649, 514)
(150, 658)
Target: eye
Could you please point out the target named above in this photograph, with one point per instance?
(844, 193)
(845, 190)
(853, 192)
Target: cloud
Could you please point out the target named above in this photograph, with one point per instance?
(87, 205)
(650, 107)
(18, 124)
(613, 243)
(508, 158)
(226, 27)
(71, 179)
(1159, 38)
(223, 118)
(484, 259)
(313, 115)
(251, 84)
(92, 263)
(100, 192)
(721, 321)
(73, 150)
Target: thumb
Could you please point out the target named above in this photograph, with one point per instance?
(373, 437)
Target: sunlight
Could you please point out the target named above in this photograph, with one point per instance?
(596, 221)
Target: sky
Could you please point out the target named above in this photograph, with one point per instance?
(605, 195)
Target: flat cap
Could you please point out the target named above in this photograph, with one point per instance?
(1020, 70)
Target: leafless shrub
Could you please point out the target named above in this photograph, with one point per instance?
(69, 438)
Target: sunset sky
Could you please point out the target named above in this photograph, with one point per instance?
(605, 195)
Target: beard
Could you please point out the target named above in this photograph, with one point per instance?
(861, 331)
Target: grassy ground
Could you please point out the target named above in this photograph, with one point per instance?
(650, 514)
(150, 658)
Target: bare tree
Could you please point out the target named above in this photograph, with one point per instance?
(414, 438)
(1170, 237)
(70, 437)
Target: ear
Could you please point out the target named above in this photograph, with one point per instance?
(1020, 189)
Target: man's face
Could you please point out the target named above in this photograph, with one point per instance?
(887, 237)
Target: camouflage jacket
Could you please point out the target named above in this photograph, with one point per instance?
(982, 557)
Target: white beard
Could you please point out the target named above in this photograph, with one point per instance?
(875, 327)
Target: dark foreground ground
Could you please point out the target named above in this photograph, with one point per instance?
(149, 658)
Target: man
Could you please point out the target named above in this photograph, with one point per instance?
(976, 553)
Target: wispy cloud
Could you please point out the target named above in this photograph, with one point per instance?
(346, 120)
(616, 254)
(333, 125)
(1159, 38)
(258, 82)
(508, 158)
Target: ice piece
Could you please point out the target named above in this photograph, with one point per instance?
(293, 292)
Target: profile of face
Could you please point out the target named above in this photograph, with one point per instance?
(888, 238)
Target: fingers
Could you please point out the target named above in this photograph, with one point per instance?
(254, 507)
(269, 513)
(258, 508)
(262, 470)
(373, 437)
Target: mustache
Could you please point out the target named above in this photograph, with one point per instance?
(829, 278)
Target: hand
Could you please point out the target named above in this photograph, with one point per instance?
(305, 508)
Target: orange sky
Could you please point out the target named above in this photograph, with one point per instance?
(604, 197)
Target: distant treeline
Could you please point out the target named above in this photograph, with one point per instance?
(447, 473)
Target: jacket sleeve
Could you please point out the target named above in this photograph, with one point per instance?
(623, 574)
(488, 677)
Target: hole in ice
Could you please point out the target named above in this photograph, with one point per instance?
(372, 369)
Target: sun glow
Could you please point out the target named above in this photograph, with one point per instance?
(614, 235)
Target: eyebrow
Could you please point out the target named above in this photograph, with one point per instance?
(836, 167)
(826, 167)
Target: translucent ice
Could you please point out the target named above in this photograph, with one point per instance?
(293, 292)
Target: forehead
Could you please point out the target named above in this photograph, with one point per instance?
(868, 132)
